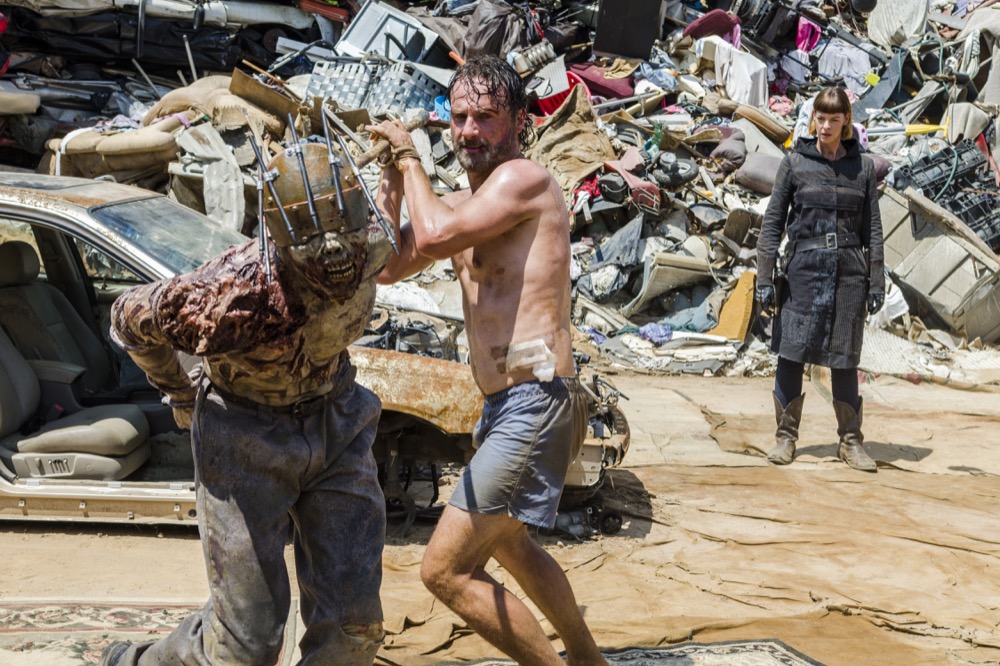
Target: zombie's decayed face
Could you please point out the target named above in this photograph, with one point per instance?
(484, 132)
(331, 263)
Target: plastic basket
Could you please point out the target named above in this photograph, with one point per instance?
(346, 83)
(547, 105)
(956, 164)
(980, 212)
(402, 86)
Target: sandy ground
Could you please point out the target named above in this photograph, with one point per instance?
(898, 567)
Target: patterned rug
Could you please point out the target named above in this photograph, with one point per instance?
(51, 633)
(768, 652)
(72, 633)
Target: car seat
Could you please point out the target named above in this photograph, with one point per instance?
(106, 442)
(43, 324)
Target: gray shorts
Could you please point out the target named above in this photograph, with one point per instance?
(526, 438)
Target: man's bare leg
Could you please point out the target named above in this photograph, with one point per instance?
(453, 571)
(545, 583)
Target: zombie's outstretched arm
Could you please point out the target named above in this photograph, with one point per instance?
(225, 306)
(134, 329)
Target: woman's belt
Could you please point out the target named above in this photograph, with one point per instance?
(829, 241)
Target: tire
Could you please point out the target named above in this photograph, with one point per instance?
(611, 522)
(676, 175)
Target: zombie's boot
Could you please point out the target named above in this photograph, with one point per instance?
(850, 449)
(788, 430)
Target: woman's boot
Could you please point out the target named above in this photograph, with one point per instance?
(850, 449)
(788, 430)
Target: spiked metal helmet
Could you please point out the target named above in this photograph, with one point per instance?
(298, 224)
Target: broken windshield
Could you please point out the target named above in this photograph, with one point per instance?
(176, 236)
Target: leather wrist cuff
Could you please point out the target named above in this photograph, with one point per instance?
(384, 158)
(404, 152)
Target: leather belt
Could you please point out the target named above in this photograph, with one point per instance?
(829, 241)
(303, 407)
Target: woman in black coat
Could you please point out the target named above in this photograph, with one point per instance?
(825, 199)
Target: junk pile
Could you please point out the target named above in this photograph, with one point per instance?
(663, 122)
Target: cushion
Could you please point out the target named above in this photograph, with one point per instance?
(111, 430)
(730, 154)
(17, 103)
(763, 120)
(83, 142)
(758, 172)
(193, 96)
(882, 166)
(598, 84)
(715, 22)
(18, 263)
(730, 132)
(145, 140)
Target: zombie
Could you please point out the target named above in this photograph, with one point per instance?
(281, 433)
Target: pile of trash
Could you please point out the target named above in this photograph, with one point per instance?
(662, 122)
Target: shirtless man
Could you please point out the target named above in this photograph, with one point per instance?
(508, 240)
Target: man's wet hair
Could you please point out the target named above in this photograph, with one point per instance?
(493, 78)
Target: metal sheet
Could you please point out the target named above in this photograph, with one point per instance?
(443, 393)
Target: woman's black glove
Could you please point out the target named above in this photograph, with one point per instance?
(875, 301)
(764, 293)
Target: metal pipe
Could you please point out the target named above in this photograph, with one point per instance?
(334, 160)
(297, 150)
(368, 196)
(187, 48)
(262, 225)
(149, 82)
(269, 179)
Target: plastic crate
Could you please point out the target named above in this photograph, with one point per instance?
(402, 86)
(981, 212)
(931, 173)
(347, 83)
(375, 85)
(547, 105)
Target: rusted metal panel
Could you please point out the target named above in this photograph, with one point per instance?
(91, 194)
(442, 393)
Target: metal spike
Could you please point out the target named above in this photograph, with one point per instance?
(368, 197)
(297, 149)
(334, 161)
(269, 180)
(261, 225)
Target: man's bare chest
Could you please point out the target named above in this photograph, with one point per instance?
(498, 260)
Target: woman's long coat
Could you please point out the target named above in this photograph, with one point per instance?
(822, 311)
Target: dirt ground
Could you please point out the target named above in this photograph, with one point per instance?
(898, 567)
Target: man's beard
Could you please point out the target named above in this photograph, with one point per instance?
(490, 158)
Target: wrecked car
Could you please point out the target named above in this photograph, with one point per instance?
(70, 246)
